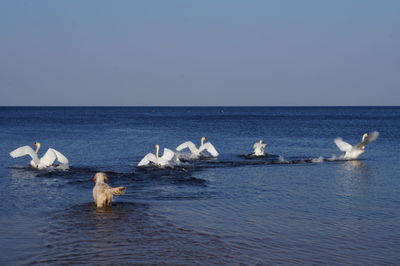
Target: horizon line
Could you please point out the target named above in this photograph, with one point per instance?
(188, 106)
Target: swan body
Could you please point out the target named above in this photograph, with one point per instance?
(198, 152)
(46, 161)
(164, 160)
(259, 148)
(353, 152)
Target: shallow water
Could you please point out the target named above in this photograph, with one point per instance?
(292, 208)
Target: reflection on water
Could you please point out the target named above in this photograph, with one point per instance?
(355, 177)
(354, 165)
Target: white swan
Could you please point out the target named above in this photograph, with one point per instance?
(47, 160)
(166, 159)
(353, 152)
(197, 152)
(259, 148)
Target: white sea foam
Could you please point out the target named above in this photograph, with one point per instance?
(318, 160)
(282, 159)
(336, 158)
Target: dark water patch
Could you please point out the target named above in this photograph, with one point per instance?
(149, 176)
(186, 158)
(266, 156)
(199, 165)
(265, 160)
(178, 175)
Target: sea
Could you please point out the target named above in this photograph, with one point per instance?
(301, 205)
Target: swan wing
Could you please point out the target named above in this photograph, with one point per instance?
(259, 145)
(25, 150)
(188, 144)
(48, 158)
(371, 137)
(60, 157)
(256, 145)
(147, 159)
(168, 154)
(210, 148)
(342, 145)
(259, 148)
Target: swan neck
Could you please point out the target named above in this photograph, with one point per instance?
(37, 147)
(157, 149)
(202, 141)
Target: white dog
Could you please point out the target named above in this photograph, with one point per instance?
(103, 193)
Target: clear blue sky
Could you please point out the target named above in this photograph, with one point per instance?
(219, 52)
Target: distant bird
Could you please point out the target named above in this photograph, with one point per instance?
(198, 152)
(46, 161)
(102, 193)
(165, 160)
(259, 148)
(353, 152)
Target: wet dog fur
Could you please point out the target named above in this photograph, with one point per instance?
(102, 192)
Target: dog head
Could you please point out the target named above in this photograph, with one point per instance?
(100, 177)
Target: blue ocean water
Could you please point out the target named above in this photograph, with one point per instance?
(230, 210)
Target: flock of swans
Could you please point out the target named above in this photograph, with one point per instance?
(170, 158)
(103, 193)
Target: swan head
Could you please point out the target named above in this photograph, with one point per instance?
(37, 145)
(204, 139)
(364, 136)
(157, 149)
(261, 141)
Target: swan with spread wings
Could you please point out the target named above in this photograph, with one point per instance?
(198, 152)
(46, 161)
(353, 152)
(167, 159)
(259, 148)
